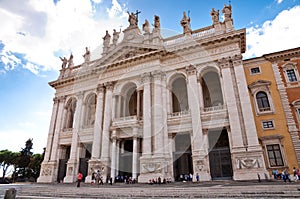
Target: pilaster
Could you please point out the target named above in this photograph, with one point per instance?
(105, 157)
(158, 115)
(147, 151)
(72, 165)
(49, 166)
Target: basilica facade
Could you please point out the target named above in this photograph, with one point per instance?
(157, 107)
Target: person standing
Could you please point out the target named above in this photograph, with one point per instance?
(79, 178)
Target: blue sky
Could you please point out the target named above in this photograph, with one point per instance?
(34, 33)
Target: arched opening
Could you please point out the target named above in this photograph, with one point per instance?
(211, 89)
(71, 106)
(182, 157)
(127, 104)
(219, 155)
(179, 95)
(90, 110)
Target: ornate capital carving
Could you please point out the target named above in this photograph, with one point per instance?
(80, 95)
(191, 70)
(236, 60)
(146, 77)
(109, 86)
(100, 88)
(224, 62)
(157, 75)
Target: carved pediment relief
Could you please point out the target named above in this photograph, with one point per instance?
(126, 52)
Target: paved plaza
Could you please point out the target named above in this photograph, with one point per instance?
(219, 189)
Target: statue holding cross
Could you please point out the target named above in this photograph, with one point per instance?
(133, 18)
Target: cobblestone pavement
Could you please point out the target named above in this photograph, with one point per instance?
(219, 189)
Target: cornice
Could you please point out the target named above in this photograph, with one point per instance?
(282, 55)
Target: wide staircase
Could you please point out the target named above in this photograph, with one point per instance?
(226, 189)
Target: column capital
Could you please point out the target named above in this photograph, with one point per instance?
(59, 99)
(157, 75)
(100, 88)
(109, 86)
(191, 70)
(80, 95)
(224, 62)
(236, 60)
(146, 77)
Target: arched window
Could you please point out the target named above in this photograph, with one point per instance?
(90, 110)
(71, 106)
(179, 95)
(211, 89)
(262, 101)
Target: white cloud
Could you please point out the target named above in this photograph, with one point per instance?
(279, 34)
(41, 29)
(115, 10)
(279, 1)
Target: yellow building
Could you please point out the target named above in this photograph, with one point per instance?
(269, 114)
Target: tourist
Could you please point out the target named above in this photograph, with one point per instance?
(99, 178)
(79, 178)
(197, 177)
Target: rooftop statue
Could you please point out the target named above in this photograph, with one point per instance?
(132, 19)
(70, 61)
(64, 62)
(227, 11)
(106, 39)
(146, 26)
(214, 16)
(115, 37)
(156, 22)
(86, 55)
(185, 23)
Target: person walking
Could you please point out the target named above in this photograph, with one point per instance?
(79, 178)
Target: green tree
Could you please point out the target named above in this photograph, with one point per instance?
(7, 159)
(34, 166)
(24, 160)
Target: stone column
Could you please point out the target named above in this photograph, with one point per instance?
(58, 128)
(98, 123)
(197, 143)
(194, 106)
(158, 115)
(94, 162)
(200, 93)
(49, 166)
(53, 123)
(113, 155)
(134, 153)
(138, 92)
(230, 98)
(146, 116)
(113, 109)
(106, 125)
(248, 119)
(72, 165)
(165, 116)
(118, 101)
(117, 156)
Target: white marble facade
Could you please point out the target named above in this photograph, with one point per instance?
(156, 107)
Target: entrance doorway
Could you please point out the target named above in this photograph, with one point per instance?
(219, 155)
(182, 157)
(125, 161)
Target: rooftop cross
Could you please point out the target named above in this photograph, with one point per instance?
(137, 14)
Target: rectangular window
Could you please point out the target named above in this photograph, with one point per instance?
(268, 124)
(255, 70)
(291, 75)
(274, 154)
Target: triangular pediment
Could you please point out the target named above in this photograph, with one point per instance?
(259, 83)
(125, 51)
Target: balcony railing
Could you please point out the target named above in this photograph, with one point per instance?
(213, 108)
(179, 114)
